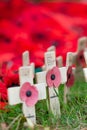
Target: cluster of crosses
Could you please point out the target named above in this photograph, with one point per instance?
(53, 74)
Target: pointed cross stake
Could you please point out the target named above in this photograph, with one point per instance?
(50, 62)
(16, 94)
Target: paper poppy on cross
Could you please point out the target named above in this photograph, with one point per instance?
(80, 59)
(70, 77)
(29, 94)
(53, 77)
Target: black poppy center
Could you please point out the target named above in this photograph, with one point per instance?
(81, 57)
(52, 76)
(1, 78)
(28, 93)
(7, 40)
(69, 75)
(40, 36)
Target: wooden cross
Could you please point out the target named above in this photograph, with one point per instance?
(72, 60)
(26, 76)
(50, 62)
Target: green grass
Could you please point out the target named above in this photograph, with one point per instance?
(73, 114)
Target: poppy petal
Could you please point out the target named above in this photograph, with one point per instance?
(70, 77)
(70, 82)
(53, 77)
(48, 78)
(23, 90)
(81, 59)
(57, 73)
(29, 94)
(31, 101)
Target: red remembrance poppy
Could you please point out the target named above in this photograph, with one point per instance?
(70, 77)
(11, 78)
(29, 94)
(53, 77)
(3, 91)
(2, 105)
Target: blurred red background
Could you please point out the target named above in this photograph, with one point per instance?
(34, 26)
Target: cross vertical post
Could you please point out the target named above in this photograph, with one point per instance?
(69, 62)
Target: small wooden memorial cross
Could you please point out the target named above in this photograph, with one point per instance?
(72, 59)
(28, 94)
(50, 63)
(69, 63)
